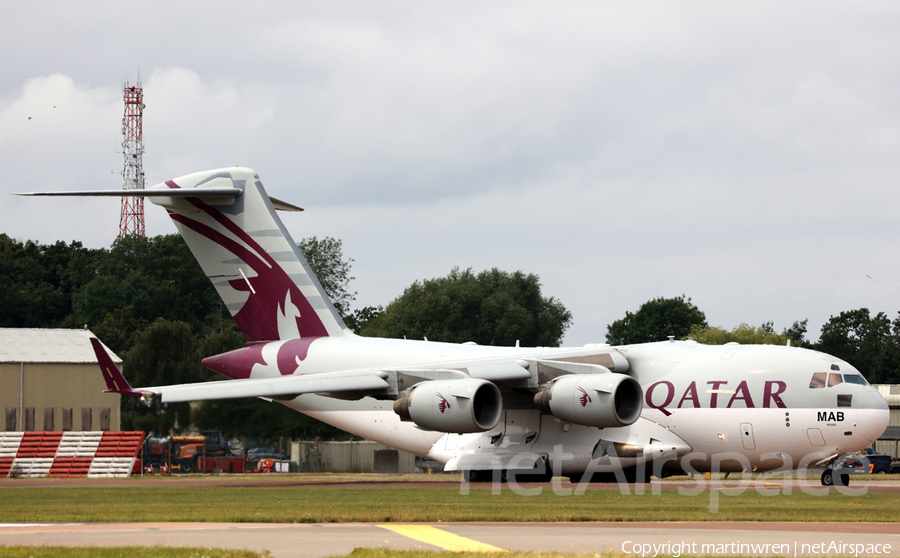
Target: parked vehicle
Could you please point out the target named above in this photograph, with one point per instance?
(869, 463)
(188, 455)
(184, 454)
(880, 463)
(895, 467)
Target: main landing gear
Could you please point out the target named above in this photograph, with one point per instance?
(829, 478)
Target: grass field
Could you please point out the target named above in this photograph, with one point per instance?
(317, 505)
(123, 551)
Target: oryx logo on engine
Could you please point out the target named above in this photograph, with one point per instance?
(585, 398)
(443, 405)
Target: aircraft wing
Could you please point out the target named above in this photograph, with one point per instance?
(275, 388)
(149, 193)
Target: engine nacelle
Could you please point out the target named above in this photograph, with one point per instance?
(458, 406)
(602, 400)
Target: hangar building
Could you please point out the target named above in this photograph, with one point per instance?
(50, 380)
(889, 442)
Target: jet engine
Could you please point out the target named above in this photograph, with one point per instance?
(603, 400)
(459, 406)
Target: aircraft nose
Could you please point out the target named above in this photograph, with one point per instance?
(872, 399)
(873, 413)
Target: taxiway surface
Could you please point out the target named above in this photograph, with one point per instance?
(315, 541)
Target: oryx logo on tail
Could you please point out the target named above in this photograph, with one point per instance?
(269, 311)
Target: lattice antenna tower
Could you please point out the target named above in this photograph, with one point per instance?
(131, 220)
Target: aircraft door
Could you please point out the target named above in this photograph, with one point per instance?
(815, 437)
(747, 436)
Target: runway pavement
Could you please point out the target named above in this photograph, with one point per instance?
(639, 539)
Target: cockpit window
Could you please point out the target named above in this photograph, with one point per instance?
(819, 379)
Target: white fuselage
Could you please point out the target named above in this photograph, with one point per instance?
(727, 407)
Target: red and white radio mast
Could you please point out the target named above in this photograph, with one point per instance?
(132, 219)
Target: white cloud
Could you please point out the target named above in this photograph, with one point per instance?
(194, 124)
(47, 122)
(742, 154)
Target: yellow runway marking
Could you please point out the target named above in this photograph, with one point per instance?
(442, 539)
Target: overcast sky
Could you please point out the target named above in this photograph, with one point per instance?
(745, 154)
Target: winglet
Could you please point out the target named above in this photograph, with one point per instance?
(115, 381)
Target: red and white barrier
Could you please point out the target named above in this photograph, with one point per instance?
(68, 454)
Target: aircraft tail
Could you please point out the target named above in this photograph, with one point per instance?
(230, 225)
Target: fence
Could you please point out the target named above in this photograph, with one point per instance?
(355, 457)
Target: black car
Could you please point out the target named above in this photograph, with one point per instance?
(895, 467)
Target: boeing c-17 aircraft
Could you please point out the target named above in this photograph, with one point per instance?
(597, 412)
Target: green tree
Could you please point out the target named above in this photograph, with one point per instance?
(797, 334)
(36, 281)
(326, 259)
(118, 327)
(491, 308)
(163, 354)
(362, 318)
(867, 342)
(743, 334)
(655, 320)
(889, 359)
(140, 280)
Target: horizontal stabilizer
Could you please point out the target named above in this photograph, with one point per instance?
(173, 193)
(283, 206)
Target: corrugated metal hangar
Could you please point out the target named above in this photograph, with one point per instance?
(50, 380)
(889, 442)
